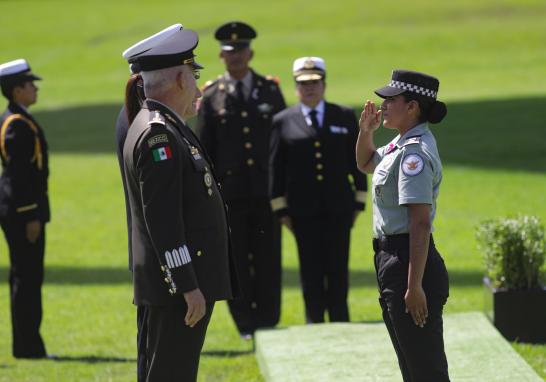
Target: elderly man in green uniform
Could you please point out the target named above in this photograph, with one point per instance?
(24, 205)
(234, 125)
(182, 258)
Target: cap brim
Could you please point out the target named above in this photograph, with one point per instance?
(308, 77)
(196, 65)
(34, 78)
(388, 91)
(235, 45)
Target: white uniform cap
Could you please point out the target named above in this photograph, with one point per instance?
(150, 42)
(309, 68)
(13, 67)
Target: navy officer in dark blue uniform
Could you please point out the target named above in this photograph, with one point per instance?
(234, 125)
(182, 258)
(24, 205)
(407, 173)
(312, 157)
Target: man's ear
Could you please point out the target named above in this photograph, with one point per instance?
(251, 54)
(222, 58)
(181, 80)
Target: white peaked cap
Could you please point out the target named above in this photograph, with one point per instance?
(14, 67)
(305, 63)
(150, 42)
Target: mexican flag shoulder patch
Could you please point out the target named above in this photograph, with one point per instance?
(162, 153)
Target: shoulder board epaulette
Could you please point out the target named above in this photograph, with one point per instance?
(412, 141)
(156, 117)
(208, 84)
(274, 79)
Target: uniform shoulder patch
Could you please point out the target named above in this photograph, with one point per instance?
(412, 140)
(413, 164)
(156, 117)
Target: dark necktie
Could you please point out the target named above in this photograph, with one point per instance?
(314, 120)
(240, 94)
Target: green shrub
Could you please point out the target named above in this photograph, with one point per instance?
(513, 251)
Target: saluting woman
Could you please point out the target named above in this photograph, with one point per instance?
(411, 275)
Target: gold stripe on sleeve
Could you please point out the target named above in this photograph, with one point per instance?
(360, 196)
(278, 203)
(27, 208)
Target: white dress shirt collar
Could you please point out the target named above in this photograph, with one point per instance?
(320, 113)
(25, 109)
(246, 81)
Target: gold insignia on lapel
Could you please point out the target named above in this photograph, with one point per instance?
(208, 179)
(170, 118)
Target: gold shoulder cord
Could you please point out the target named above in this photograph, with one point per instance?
(37, 147)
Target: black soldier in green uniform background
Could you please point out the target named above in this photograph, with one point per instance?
(24, 205)
(234, 125)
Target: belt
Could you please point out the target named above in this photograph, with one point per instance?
(400, 241)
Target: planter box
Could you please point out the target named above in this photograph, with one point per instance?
(519, 315)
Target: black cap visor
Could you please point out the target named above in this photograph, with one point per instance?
(388, 91)
(234, 45)
(196, 65)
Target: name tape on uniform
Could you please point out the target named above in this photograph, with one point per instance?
(157, 139)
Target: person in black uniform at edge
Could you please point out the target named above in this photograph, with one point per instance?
(234, 125)
(411, 275)
(312, 157)
(135, 90)
(182, 258)
(24, 206)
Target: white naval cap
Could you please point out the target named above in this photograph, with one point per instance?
(150, 42)
(309, 68)
(17, 71)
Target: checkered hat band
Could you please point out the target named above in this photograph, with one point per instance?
(414, 88)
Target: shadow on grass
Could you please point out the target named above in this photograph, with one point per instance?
(486, 134)
(93, 359)
(226, 353)
(291, 277)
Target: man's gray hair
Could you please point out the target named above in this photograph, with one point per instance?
(160, 81)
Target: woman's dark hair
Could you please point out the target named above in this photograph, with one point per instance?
(134, 96)
(430, 110)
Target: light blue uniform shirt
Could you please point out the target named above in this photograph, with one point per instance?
(408, 171)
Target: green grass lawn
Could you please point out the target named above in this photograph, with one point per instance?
(488, 54)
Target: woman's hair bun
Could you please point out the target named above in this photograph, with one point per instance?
(437, 112)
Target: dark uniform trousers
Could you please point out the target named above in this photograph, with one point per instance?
(122, 128)
(420, 351)
(256, 231)
(25, 280)
(323, 248)
(170, 340)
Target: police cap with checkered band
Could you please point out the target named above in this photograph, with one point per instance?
(235, 35)
(407, 80)
(175, 50)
